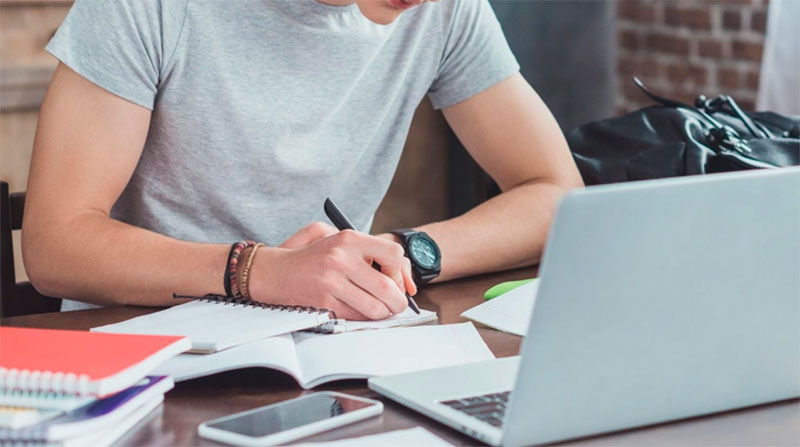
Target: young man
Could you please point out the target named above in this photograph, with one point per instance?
(173, 128)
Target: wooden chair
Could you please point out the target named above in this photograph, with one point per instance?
(16, 298)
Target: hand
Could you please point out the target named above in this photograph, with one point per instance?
(334, 272)
(320, 230)
(308, 234)
(408, 280)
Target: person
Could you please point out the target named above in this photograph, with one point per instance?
(173, 128)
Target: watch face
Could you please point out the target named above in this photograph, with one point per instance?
(424, 252)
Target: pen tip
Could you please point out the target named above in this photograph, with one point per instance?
(412, 304)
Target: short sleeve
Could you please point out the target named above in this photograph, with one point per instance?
(475, 56)
(122, 46)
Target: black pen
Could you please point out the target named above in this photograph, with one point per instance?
(343, 223)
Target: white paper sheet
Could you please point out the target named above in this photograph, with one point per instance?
(509, 312)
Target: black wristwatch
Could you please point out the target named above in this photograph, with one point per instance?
(426, 259)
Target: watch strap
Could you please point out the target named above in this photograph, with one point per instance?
(404, 233)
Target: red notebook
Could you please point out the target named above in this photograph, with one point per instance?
(78, 362)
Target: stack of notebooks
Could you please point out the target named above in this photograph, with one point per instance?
(65, 388)
(309, 344)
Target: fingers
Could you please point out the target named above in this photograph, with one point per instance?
(388, 254)
(380, 288)
(408, 278)
(375, 294)
(362, 302)
(396, 276)
(344, 310)
(352, 302)
(309, 234)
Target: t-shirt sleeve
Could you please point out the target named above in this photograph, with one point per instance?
(476, 55)
(122, 46)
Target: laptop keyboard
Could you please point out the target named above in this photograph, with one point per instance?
(489, 408)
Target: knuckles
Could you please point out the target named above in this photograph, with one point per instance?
(393, 297)
(336, 258)
(374, 310)
(386, 287)
(319, 230)
(398, 252)
(346, 237)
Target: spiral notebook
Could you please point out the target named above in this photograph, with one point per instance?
(102, 415)
(12, 417)
(215, 323)
(43, 400)
(35, 363)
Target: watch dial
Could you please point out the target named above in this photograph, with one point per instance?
(423, 252)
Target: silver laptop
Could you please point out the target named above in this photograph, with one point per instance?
(658, 300)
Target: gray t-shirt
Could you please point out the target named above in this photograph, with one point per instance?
(262, 109)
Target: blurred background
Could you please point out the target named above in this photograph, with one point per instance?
(578, 55)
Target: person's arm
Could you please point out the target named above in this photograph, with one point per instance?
(87, 145)
(512, 135)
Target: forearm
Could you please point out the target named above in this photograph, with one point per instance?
(505, 232)
(93, 258)
(512, 135)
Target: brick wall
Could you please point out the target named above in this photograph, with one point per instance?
(682, 48)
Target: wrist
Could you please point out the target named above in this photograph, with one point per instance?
(392, 237)
(264, 276)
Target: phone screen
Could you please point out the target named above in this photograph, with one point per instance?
(288, 415)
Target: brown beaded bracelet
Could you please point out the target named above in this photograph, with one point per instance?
(231, 283)
(244, 283)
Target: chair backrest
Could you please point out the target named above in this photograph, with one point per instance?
(16, 298)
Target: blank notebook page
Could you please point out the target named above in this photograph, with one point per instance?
(389, 351)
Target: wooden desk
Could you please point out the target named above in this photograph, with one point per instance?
(198, 400)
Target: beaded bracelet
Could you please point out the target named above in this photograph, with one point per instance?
(231, 284)
(245, 278)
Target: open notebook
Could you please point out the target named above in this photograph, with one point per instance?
(314, 359)
(218, 324)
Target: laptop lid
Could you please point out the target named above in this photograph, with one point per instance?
(662, 300)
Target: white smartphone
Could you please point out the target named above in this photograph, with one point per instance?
(289, 420)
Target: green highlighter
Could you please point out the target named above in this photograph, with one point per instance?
(504, 287)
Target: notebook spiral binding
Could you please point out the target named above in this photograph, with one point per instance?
(244, 302)
(24, 437)
(16, 380)
(47, 399)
